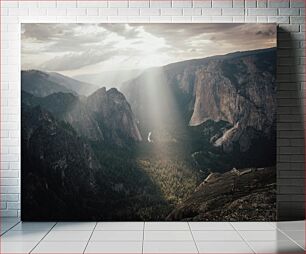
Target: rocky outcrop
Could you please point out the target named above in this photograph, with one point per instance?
(113, 112)
(103, 116)
(237, 195)
(69, 108)
(237, 91)
(238, 88)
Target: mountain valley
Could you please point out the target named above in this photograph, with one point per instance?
(145, 152)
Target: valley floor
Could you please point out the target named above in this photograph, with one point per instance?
(152, 237)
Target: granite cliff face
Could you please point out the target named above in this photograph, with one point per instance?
(238, 88)
(240, 91)
(103, 116)
(113, 112)
(69, 108)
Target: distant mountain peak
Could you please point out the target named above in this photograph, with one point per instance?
(99, 92)
(112, 109)
(41, 84)
(113, 90)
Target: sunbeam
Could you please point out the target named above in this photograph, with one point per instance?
(148, 121)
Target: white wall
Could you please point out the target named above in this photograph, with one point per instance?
(290, 14)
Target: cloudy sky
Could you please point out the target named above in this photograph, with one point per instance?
(75, 49)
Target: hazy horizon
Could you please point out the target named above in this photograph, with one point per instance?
(82, 49)
(111, 71)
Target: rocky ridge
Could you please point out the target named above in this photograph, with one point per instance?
(238, 88)
(245, 195)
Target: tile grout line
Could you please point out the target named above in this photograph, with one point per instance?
(143, 232)
(232, 226)
(10, 228)
(90, 237)
(193, 238)
(290, 238)
(272, 224)
(244, 240)
(42, 238)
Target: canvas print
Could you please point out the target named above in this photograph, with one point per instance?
(148, 122)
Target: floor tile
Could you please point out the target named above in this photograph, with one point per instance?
(9, 224)
(120, 226)
(273, 223)
(63, 226)
(273, 235)
(291, 225)
(5, 226)
(17, 247)
(223, 247)
(23, 236)
(166, 226)
(114, 247)
(33, 226)
(106, 236)
(296, 235)
(276, 247)
(211, 226)
(160, 237)
(301, 243)
(169, 247)
(253, 226)
(216, 236)
(167, 236)
(60, 247)
(68, 236)
(3, 230)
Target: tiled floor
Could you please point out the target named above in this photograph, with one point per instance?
(152, 237)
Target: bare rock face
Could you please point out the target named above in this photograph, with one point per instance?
(214, 97)
(114, 113)
(238, 88)
(103, 116)
(240, 92)
(69, 108)
(243, 195)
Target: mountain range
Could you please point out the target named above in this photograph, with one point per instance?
(41, 84)
(235, 88)
(143, 152)
(108, 79)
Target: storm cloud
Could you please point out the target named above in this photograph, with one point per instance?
(80, 48)
(74, 61)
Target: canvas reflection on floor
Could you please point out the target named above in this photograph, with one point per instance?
(125, 122)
